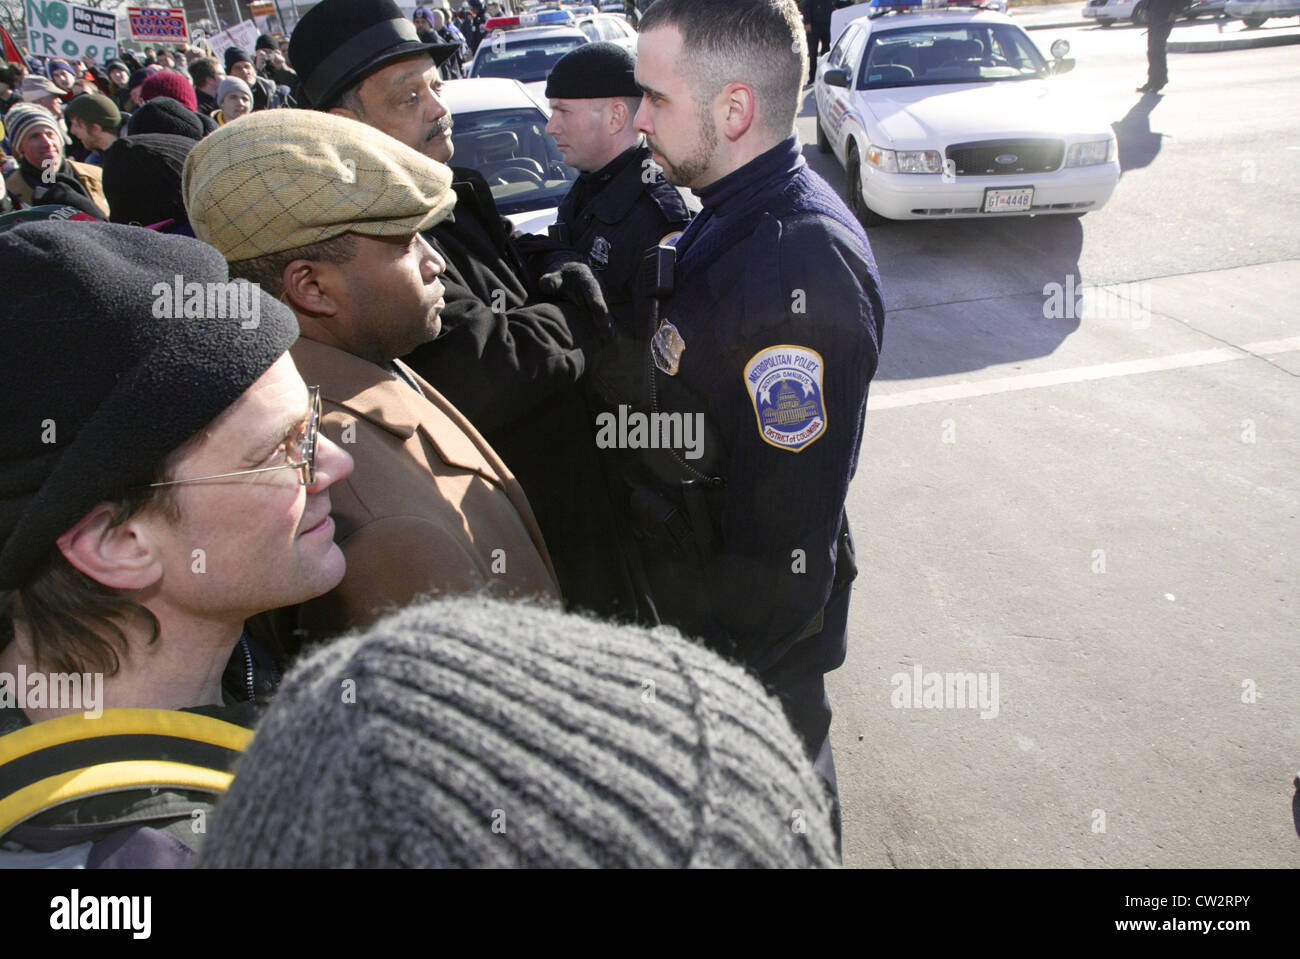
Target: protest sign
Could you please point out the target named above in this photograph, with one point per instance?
(155, 24)
(69, 31)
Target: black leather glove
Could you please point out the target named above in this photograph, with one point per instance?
(575, 282)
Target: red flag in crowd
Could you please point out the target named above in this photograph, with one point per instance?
(11, 49)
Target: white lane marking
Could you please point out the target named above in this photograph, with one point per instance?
(1079, 374)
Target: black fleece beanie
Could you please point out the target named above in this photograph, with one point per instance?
(95, 390)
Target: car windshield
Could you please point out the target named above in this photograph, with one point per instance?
(515, 155)
(524, 60)
(956, 53)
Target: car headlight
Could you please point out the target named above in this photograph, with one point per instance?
(905, 161)
(1091, 153)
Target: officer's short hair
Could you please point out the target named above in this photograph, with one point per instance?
(758, 42)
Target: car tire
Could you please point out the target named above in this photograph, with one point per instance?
(1140, 15)
(1104, 23)
(853, 186)
(823, 141)
(1253, 23)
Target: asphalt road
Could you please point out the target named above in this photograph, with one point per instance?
(1097, 512)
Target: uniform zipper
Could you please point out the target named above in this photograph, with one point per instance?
(248, 668)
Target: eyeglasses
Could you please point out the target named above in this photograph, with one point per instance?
(300, 452)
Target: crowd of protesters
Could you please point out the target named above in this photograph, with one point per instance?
(381, 432)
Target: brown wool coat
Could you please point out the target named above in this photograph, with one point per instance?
(426, 506)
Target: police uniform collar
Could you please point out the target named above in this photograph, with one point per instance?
(622, 187)
(736, 188)
(611, 169)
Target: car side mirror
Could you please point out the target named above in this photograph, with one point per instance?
(836, 77)
(1060, 48)
(1062, 66)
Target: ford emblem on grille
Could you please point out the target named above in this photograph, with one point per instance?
(1006, 158)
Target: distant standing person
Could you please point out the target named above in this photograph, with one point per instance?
(1160, 20)
(817, 21)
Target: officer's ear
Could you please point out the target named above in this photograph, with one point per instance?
(622, 113)
(615, 115)
(736, 107)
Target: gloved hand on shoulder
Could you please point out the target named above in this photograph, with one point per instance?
(575, 283)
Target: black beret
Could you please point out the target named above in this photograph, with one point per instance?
(265, 42)
(97, 392)
(593, 71)
(137, 77)
(165, 115)
(142, 178)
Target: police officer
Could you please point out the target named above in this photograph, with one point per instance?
(817, 21)
(739, 441)
(621, 204)
(1160, 21)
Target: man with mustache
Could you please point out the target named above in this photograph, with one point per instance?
(512, 346)
(329, 219)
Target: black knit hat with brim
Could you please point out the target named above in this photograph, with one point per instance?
(593, 71)
(96, 392)
(339, 42)
(142, 177)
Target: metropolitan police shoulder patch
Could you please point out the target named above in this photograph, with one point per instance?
(785, 385)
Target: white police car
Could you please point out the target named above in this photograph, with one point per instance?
(953, 112)
(499, 129)
(1106, 12)
(526, 47)
(605, 26)
(1254, 12)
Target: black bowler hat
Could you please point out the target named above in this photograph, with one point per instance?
(339, 42)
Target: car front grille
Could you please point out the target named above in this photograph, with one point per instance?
(1030, 156)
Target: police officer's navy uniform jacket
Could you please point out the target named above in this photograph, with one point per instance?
(511, 365)
(777, 301)
(610, 217)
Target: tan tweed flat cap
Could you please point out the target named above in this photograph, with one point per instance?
(276, 180)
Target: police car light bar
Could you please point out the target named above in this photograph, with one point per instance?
(548, 18)
(881, 7)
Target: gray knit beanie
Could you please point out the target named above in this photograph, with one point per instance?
(479, 733)
(231, 85)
